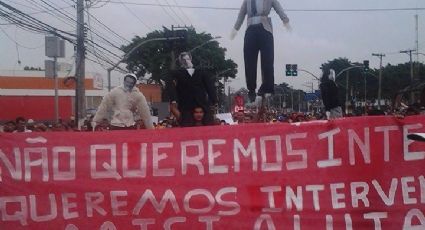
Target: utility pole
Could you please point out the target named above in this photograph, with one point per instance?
(80, 106)
(417, 44)
(412, 95)
(55, 76)
(346, 92)
(174, 33)
(299, 100)
(292, 99)
(380, 78)
(230, 101)
(417, 40)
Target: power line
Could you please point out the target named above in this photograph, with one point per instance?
(93, 5)
(74, 21)
(293, 10)
(99, 22)
(91, 35)
(17, 43)
(69, 17)
(172, 10)
(163, 8)
(54, 13)
(95, 52)
(20, 4)
(35, 25)
(107, 28)
(31, 22)
(135, 15)
(59, 11)
(184, 14)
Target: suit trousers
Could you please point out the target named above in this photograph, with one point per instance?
(256, 40)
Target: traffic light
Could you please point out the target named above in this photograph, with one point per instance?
(288, 70)
(366, 65)
(294, 70)
(291, 70)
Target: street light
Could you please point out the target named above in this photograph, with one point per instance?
(346, 83)
(131, 51)
(380, 77)
(303, 70)
(206, 42)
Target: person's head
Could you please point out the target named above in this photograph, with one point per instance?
(30, 124)
(40, 127)
(20, 124)
(240, 117)
(129, 82)
(198, 114)
(185, 60)
(9, 127)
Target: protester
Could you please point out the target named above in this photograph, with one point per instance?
(189, 88)
(9, 127)
(128, 105)
(259, 38)
(198, 116)
(21, 125)
(103, 125)
(40, 127)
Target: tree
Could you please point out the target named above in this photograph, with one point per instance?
(394, 79)
(397, 77)
(154, 60)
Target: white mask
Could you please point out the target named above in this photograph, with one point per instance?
(186, 62)
(129, 83)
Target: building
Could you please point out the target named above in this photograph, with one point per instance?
(31, 95)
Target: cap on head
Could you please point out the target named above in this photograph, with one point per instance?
(129, 82)
(131, 76)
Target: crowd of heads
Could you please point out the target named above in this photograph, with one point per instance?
(22, 124)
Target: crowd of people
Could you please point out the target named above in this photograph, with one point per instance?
(21, 124)
(193, 102)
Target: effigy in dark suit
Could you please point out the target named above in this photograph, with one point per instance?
(189, 88)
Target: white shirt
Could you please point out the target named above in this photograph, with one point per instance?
(127, 107)
(263, 10)
(190, 71)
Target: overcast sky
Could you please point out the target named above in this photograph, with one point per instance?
(317, 36)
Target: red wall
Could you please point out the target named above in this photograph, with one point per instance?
(34, 107)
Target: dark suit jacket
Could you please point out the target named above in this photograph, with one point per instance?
(192, 91)
(329, 92)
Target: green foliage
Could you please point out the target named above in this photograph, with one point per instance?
(394, 79)
(155, 60)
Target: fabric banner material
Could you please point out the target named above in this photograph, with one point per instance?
(352, 173)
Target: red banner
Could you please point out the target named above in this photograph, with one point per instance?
(357, 173)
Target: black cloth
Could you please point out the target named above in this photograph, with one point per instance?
(253, 7)
(256, 40)
(193, 91)
(329, 92)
